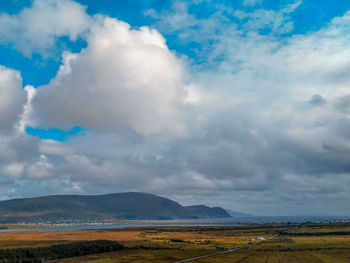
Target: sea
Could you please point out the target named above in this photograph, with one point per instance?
(233, 221)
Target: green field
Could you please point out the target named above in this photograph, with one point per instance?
(171, 244)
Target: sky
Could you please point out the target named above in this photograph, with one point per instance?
(243, 104)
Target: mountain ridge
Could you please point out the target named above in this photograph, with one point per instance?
(106, 207)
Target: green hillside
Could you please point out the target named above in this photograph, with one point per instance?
(133, 205)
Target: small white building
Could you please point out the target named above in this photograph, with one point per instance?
(260, 238)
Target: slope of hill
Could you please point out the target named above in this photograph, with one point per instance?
(237, 214)
(69, 208)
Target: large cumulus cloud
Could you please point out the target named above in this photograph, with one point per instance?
(125, 78)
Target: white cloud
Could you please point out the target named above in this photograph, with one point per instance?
(16, 146)
(51, 147)
(26, 116)
(321, 60)
(251, 2)
(124, 78)
(292, 7)
(12, 97)
(277, 21)
(13, 170)
(36, 29)
(41, 169)
(179, 19)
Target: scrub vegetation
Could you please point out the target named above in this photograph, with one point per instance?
(171, 244)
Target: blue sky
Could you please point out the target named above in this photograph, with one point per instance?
(245, 98)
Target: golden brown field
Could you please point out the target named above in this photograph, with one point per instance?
(170, 244)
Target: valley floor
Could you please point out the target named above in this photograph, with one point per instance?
(314, 243)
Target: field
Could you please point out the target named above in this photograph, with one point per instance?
(308, 243)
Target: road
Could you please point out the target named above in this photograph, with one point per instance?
(233, 249)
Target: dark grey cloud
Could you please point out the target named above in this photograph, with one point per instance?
(317, 100)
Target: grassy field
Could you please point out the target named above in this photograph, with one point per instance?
(170, 244)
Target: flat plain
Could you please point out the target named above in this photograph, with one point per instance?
(315, 243)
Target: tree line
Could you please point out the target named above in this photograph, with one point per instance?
(58, 251)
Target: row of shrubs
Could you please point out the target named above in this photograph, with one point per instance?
(338, 233)
(67, 250)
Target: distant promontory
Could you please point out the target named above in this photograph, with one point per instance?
(101, 208)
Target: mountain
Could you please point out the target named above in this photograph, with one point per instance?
(237, 214)
(72, 208)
